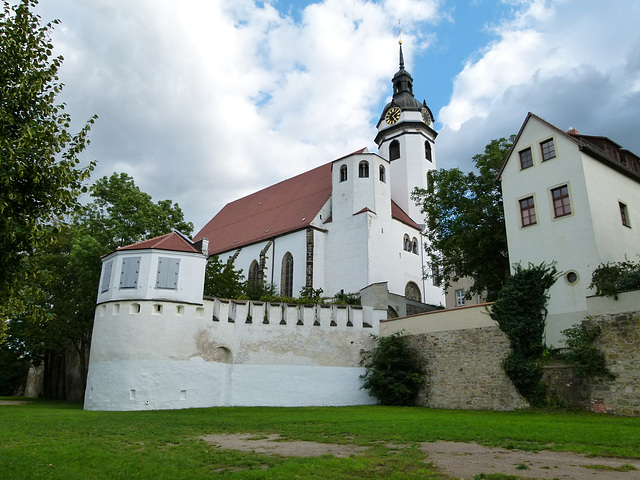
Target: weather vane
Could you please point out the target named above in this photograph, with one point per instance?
(399, 36)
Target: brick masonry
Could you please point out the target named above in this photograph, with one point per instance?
(464, 370)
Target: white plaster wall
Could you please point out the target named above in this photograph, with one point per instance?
(607, 188)
(182, 358)
(190, 276)
(569, 241)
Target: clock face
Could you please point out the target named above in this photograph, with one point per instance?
(426, 117)
(392, 116)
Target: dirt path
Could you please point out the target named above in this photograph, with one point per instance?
(460, 460)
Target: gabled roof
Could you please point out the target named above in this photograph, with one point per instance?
(171, 241)
(276, 210)
(281, 208)
(616, 157)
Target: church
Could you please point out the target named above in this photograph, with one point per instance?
(347, 224)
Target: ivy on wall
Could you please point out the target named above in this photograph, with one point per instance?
(521, 311)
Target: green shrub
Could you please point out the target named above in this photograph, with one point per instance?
(609, 279)
(394, 371)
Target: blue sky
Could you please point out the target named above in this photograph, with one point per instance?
(204, 101)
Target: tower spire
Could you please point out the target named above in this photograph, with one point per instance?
(401, 56)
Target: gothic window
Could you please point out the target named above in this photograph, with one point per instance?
(343, 173)
(427, 150)
(363, 169)
(412, 292)
(394, 150)
(383, 174)
(286, 284)
(254, 270)
(414, 245)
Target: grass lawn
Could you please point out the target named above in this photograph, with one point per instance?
(56, 440)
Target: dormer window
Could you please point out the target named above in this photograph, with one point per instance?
(363, 169)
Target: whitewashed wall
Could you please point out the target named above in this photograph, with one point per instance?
(186, 356)
(189, 285)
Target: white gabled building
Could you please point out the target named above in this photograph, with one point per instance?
(345, 225)
(571, 199)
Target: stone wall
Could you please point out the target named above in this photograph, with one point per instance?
(619, 341)
(464, 370)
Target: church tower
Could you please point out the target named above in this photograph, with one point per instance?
(406, 138)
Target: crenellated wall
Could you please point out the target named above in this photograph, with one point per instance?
(165, 355)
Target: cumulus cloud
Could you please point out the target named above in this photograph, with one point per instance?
(573, 63)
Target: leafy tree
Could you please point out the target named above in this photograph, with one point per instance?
(222, 280)
(60, 304)
(394, 370)
(465, 222)
(40, 176)
(521, 313)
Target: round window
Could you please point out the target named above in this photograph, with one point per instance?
(571, 277)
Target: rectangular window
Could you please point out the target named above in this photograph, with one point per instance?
(460, 297)
(168, 269)
(129, 274)
(548, 149)
(624, 214)
(527, 212)
(526, 159)
(106, 277)
(561, 201)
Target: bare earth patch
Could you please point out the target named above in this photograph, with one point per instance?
(273, 445)
(13, 402)
(466, 460)
(460, 460)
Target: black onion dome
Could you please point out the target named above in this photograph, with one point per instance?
(403, 91)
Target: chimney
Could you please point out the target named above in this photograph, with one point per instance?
(573, 131)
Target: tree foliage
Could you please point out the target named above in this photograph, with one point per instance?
(611, 278)
(581, 352)
(40, 176)
(521, 312)
(465, 222)
(59, 302)
(394, 372)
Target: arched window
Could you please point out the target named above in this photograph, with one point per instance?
(343, 173)
(383, 174)
(414, 245)
(254, 271)
(286, 277)
(412, 292)
(363, 169)
(406, 243)
(427, 150)
(394, 150)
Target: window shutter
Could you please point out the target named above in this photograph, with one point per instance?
(129, 274)
(168, 271)
(106, 277)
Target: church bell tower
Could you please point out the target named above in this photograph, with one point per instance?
(407, 139)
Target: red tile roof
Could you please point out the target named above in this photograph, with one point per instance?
(170, 241)
(281, 208)
(284, 207)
